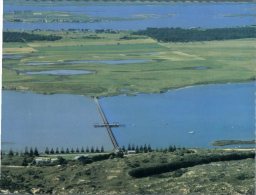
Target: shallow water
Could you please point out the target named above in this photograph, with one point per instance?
(12, 56)
(60, 72)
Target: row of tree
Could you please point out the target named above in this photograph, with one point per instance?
(198, 34)
(34, 151)
(147, 148)
(77, 150)
(24, 37)
(138, 149)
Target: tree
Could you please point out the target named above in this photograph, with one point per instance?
(47, 151)
(141, 148)
(92, 149)
(57, 150)
(77, 150)
(62, 151)
(133, 147)
(129, 147)
(52, 151)
(137, 150)
(82, 150)
(102, 149)
(67, 151)
(36, 153)
(31, 152)
(10, 153)
(149, 148)
(87, 150)
(24, 162)
(72, 150)
(123, 148)
(26, 153)
(145, 148)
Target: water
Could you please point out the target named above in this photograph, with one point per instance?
(50, 121)
(60, 72)
(12, 56)
(127, 16)
(110, 62)
(212, 112)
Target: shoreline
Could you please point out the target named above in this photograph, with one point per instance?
(132, 94)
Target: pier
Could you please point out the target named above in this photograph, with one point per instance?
(106, 124)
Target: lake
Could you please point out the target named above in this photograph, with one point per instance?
(190, 117)
(30, 119)
(135, 16)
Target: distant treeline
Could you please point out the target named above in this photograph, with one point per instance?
(24, 37)
(197, 34)
(189, 161)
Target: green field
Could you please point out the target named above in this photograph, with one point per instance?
(171, 65)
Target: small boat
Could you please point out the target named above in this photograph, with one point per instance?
(191, 132)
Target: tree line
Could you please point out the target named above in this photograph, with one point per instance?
(32, 152)
(198, 34)
(24, 37)
(147, 148)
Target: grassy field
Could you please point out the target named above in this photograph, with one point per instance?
(111, 176)
(170, 65)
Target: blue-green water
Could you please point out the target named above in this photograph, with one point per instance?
(190, 117)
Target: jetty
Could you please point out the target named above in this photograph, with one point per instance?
(106, 124)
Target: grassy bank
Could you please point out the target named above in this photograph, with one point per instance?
(167, 65)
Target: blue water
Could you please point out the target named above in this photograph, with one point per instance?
(211, 112)
(60, 72)
(12, 56)
(42, 121)
(141, 16)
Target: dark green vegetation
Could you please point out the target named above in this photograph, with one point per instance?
(110, 175)
(197, 34)
(187, 162)
(27, 37)
(232, 142)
